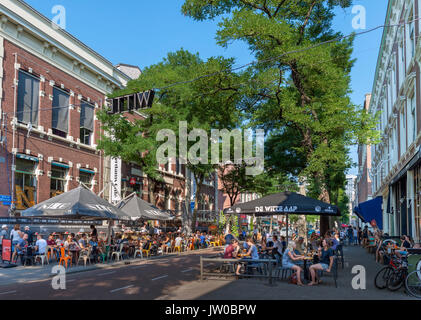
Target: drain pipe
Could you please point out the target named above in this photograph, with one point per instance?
(15, 85)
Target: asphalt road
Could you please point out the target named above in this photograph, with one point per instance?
(142, 279)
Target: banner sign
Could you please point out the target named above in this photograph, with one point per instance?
(115, 190)
(6, 254)
(48, 221)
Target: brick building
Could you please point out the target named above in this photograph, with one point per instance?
(52, 85)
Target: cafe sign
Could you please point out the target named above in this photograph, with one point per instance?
(285, 209)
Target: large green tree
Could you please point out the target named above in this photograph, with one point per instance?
(208, 103)
(300, 95)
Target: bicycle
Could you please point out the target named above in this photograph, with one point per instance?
(380, 281)
(413, 284)
(397, 278)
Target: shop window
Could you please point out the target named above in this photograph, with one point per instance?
(86, 178)
(25, 184)
(86, 123)
(60, 112)
(58, 180)
(27, 98)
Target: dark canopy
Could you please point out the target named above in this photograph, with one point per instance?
(285, 203)
(371, 210)
(137, 208)
(80, 204)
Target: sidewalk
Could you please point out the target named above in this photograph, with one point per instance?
(29, 274)
(246, 289)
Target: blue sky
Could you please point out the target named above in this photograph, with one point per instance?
(141, 32)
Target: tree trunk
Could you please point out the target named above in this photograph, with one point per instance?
(324, 220)
(151, 193)
(196, 205)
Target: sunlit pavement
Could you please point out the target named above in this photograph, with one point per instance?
(177, 277)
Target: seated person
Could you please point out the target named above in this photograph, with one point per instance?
(40, 246)
(290, 258)
(405, 245)
(326, 256)
(232, 250)
(252, 253)
(22, 247)
(276, 247)
(83, 242)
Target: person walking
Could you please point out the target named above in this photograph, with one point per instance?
(355, 236)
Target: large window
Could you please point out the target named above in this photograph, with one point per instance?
(412, 120)
(28, 98)
(25, 184)
(86, 123)
(58, 179)
(417, 204)
(411, 31)
(86, 178)
(60, 112)
(402, 131)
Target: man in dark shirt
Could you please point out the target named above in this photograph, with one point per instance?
(94, 232)
(30, 234)
(228, 238)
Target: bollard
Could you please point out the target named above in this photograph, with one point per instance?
(201, 268)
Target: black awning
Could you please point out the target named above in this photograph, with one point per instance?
(285, 203)
(76, 204)
(416, 159)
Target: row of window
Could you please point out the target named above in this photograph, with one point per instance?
(28, 109)
(26, 181)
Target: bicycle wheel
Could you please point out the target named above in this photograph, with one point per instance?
(396, 280)
(413, 284)
(380, 281)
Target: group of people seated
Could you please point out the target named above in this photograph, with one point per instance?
(386, 248)
(290, 255)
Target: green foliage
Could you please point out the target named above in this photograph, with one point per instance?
(302, 98)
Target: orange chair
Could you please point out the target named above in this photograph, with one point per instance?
(64, 258)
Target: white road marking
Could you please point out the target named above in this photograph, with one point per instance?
(187, 270)
(126, 287)
(160, 277)
(106, 273)
(8, 292)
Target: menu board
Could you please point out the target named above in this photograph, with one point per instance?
(6, 254)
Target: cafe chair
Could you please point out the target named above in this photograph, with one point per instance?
(147, 251)
(64, 257)
(105, 255)
(138, 251)
(340, 255)
(178, 248)
(43, 258)
(84, 255)
(118, 254)
(333, 272)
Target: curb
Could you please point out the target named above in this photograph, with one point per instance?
(132, 260)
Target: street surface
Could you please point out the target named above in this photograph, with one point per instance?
(177, 277)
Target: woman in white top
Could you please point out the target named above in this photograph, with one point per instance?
(15, 235)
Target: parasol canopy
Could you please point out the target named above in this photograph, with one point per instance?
(138, 208)
(77, 204)
(284, 203)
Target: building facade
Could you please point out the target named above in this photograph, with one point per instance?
(396, 171)
(52, 85)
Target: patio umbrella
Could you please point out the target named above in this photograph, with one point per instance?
(284, 203)
(77, 204)
(137, 209)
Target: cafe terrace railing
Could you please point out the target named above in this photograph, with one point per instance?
(267, 262)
